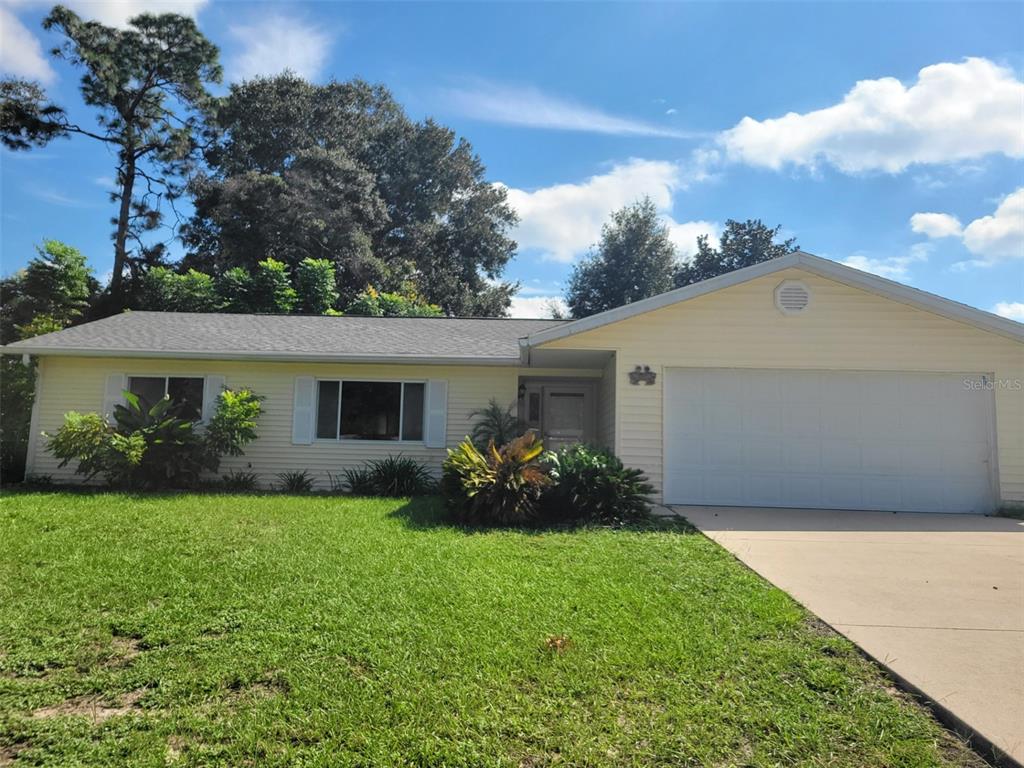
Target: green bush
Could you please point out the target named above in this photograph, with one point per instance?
(240, 481)
(296, 481)
(592, 484)
(392, 476)
(500, 486)
(494, 424)
(154, 448)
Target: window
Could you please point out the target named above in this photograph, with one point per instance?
(369, 410)
(186, 393)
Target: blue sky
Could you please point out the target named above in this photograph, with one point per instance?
(886, 136)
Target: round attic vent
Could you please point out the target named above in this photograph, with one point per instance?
(792, 297)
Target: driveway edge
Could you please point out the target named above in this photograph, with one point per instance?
(975, 740)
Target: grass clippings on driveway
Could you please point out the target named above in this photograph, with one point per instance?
(275, 630)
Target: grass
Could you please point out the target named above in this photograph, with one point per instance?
(276, 630)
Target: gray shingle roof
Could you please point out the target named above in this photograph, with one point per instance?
(290, 337)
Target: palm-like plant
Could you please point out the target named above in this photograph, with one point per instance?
(494, 424)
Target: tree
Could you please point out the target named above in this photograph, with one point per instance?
(376, 304)
(26, 120)
(51, 293)
(634, 260)
(148, 83)
(315, 286)
(340, 172)
(164, 290)
(270, 290)
(56, 284)
(741, 245)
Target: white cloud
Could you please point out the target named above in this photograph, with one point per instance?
(991, 239)
(536, 306)
(685, 235)
(999, 237)
(116, 13)
(564, 220)
(1011, 309)
(276, 43)
(532, 108)
(21, 54)
(671, 111)
(954, 112)
(936, 224)
(892, 267)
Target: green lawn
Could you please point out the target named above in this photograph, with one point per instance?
(273, 630)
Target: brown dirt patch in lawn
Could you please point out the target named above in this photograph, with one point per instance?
(95, 707)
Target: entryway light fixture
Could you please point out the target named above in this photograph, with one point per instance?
(642, 373)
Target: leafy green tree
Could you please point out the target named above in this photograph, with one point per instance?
(634, 260)
(340, 172)
(148, 84)
(315, 285)
(741, 245)
(383, 304)
(51, 293)
(57, 284)
(165, 290)
(234, 286)
(270, 289)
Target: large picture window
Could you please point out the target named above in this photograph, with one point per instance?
(186, 393)
(369, 410)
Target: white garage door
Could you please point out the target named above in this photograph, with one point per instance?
(837, 440)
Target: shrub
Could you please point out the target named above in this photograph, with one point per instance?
(239, 480)
(154, 448)
(494, 425)
(392, 476)
(593, 484)
(498, 485)
(299, 481)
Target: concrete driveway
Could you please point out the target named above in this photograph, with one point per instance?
(939, 599)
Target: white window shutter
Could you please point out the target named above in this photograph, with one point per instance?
(116, 384)
(436, 433)
(303, 410)
(212, 387)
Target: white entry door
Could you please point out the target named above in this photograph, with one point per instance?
(829, 439)
(566, 415)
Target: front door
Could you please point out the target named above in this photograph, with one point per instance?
(566, 415)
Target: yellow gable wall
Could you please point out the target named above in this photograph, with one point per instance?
(844, 328)
(77, 384)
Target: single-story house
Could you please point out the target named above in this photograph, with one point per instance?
(798, 382)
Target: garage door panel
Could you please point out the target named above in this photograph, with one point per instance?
(724, 418)
(843, 492)
(921, 459)
(841, 456)
(880, 458)
(763, 453)
(872, 440)
(801, 455)
(763, 418)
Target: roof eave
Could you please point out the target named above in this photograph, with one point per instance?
(825, 268)
(266, 357)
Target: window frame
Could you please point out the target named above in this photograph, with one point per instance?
(167, 377)
(401, 411)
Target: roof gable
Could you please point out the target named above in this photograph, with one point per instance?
(826, 268)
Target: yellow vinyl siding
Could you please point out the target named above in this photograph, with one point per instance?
(844, 328)
(77, 384)
(606, 406)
